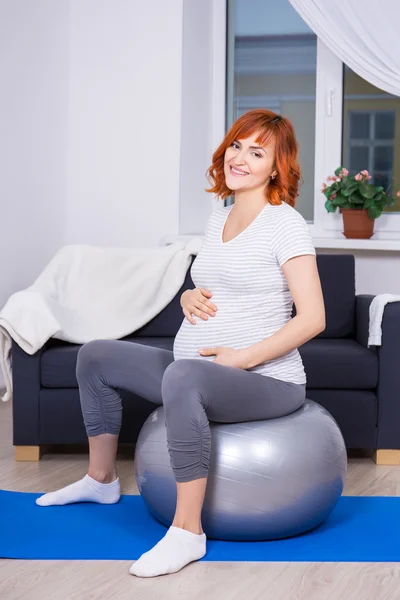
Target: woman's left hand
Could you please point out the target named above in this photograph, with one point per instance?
(227, 356)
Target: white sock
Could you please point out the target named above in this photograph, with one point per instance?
(177, 549)
(84, 490)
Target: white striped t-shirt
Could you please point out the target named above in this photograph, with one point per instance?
(248, 287)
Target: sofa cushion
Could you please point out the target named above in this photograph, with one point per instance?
(355, 411)
(338, 282)
(337, 275)
(339, 364)
(58, 362)
(335, 364)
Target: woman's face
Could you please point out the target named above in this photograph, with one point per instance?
(247, 165)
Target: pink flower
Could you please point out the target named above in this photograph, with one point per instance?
(324, 186)
(332, 196)
(344, 172)
(358, 177)
(398, 194)
(331, 178)
(369, 177)
(365, 173)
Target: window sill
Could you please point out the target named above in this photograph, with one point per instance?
(378, 242)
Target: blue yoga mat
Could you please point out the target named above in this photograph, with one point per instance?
(359, 529)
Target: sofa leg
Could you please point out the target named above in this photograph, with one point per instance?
(387, 457)
(28, 453)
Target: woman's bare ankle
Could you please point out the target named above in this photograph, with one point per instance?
(188, 526)
(102, 476)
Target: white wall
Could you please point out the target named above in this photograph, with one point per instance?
(90, 127)
(124, 125)
(33, 137)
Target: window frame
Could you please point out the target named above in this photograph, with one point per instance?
(328, 138)
(329, 127)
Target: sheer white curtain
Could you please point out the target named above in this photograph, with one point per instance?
(364, 34)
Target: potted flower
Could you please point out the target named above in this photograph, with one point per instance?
(359, 202)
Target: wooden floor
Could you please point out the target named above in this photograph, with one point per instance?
(93, 580)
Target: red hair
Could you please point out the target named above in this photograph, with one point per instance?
(267, 124)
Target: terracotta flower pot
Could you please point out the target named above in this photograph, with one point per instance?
(357, 224)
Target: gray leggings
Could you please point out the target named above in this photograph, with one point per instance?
(191, 390)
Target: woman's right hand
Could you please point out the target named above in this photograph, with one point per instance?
(196, 302)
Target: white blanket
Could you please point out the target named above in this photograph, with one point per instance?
(376, 311)
(89, 292)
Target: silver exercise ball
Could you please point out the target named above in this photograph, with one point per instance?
(267, 480)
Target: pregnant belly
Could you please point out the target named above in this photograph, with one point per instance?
(217, 332)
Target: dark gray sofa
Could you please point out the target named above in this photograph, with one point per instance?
(359, 386)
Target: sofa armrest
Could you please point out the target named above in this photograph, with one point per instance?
(388, 390)
(26, 390)
(363, 302)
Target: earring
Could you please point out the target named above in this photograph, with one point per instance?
(273, 176)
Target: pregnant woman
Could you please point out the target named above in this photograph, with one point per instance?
(235, 357)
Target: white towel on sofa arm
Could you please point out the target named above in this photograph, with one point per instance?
(90, 292)
(376, 311)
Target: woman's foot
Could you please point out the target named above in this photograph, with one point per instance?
(177, 549)
(84, 490)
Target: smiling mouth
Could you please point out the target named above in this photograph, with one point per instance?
(237, 172)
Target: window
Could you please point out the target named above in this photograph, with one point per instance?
(369, 132)
(274, 64)
(369, 145)
(275, 61)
